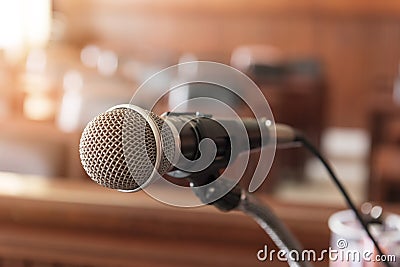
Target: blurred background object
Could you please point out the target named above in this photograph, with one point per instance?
(330, 69)
(333, 76)
(23, 25)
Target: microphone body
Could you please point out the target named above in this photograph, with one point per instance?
(124, 147)
(230, 137)
(193, 127)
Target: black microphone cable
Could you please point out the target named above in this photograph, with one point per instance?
(307, 144)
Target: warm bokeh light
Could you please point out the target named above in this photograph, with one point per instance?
(71, 104)
(24, 24)
(90, 55)
(38, 107)
(107, 63)
(36, 61)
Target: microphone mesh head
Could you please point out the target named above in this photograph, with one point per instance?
(120, 149)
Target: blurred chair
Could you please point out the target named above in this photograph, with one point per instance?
(385, 152)
(386, 171)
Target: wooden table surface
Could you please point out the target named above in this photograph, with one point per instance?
(54, 222)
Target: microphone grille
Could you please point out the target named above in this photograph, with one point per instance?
(120, 149)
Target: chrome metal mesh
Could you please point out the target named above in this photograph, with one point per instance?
(168, 143)
(118, 148)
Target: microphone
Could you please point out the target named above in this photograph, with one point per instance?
(126, 146)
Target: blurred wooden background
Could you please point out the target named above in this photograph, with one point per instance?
(358, 42)
(45, 221)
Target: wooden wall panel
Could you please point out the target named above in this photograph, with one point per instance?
(342, 47)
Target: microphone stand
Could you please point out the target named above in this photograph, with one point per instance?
(238, 199)
(273, 226)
